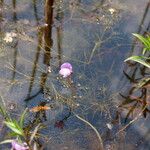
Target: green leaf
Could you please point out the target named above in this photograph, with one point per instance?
(139, 59)
(6, 141)
(22, 118)
(12, 134)
(14, 127)
(17, 125)
(144, 40)
(3, 109)
(144, 51)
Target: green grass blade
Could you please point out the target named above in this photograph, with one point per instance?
(12, 134)
(144, 40)
(6, 141)
(22, 118)
(139, 59)
(3, 109)
(144, 51)
(17, 125)
(14, 127)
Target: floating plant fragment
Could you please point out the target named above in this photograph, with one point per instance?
(9, 37)
(65, 70)
(112, 11)
(109, 126)
(39, 108)
(49, 70)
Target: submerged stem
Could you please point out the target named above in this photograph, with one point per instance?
(97, 133)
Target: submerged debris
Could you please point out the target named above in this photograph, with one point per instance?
(59, 124)
(9, 37)
(112, 11)
(109, 126)
(39, 108)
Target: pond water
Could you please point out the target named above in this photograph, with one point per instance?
(95, 36)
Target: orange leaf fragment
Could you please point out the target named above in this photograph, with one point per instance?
(39, 108)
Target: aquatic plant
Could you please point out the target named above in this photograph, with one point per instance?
(142, 59)
(136, 100)
(17, 126)
(65, 69)
(3, 111)
(17, 130)
(21, 137)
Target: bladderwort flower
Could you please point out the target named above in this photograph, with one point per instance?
(65, 69)
(19, 146)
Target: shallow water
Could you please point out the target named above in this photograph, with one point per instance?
(95, 37)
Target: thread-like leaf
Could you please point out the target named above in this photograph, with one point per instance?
(34, 133)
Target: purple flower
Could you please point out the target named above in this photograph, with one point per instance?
(19, 146)
(65, 69)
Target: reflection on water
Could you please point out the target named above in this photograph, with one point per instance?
(95, 37)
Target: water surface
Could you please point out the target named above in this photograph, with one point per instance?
(95, 37)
